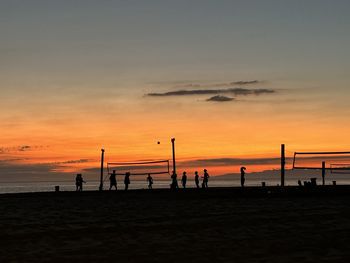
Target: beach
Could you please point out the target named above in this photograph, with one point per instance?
(213, 225)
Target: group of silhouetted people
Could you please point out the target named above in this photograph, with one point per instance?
(113, 180)
(79, 182)
(174, 183)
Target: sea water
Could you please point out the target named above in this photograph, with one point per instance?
(49, 186)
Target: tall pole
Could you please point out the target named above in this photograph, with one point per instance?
(323, 172)
(173, 147)
(283, 164)
(102, 160)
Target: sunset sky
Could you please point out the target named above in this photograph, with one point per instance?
(228, 79)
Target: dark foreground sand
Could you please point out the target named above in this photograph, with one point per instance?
(218, 225)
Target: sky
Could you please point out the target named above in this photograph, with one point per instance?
(230, 80)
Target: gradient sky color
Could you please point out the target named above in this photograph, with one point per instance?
(74, 77)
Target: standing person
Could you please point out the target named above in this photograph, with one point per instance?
(205, 179)
(243, 175)
(150, 181)
(113, 180)
(127, 180)
(79, 182)
(174, 183)
(196, 179)
(184, 179)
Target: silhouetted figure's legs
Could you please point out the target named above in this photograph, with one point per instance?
(242, 181)
(243, 176)
(150, 181)
(111, 186)
(127, 180)
(196, 179)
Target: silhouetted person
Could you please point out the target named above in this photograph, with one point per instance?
(174, 184)
(299, 183)
(79, 182)
(243, 175)
(150, 181)
(205, 179)
(113, 180)
(184, 180)
(196, 179)
(127, 180)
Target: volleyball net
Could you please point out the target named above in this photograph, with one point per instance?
(139, 167)
(335, 161)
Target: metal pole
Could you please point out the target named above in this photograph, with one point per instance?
(102, 160)
(283, 163)
(173, 147)
(323, 172)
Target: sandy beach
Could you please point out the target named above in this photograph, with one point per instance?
(216, 225)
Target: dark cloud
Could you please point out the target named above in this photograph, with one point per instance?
(242, 82)
(220, 98)
(310, 161)
(224, 84)
(20, 148)
(11, 160)
(233, 91)
(72, 161)
(12, 170)
(24, 148)
(232, 161)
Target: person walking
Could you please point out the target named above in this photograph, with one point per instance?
(243, 175)
(79, 182)
(113, 180)
(174, 184)
(184, 179)
(196, 179)
(205, 179)
(127, 180)
(150, 181)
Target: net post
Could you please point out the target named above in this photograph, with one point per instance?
(323, 172)
(173, 148)
(101, 176)
(283, 163)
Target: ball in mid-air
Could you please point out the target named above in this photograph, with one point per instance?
(158, 142)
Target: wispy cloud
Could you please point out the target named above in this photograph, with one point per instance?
(10, 170)
(249, 82)
(310, 161)
(233, 91)
(220, 98)
(232, 161)
(217, 85)
(21, 148)
(72, 161)
(15, 169)
(10, 160)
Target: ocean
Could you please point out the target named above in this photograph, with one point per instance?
(49, 186)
